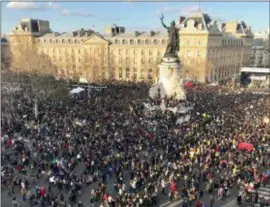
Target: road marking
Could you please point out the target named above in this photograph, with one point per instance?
(264, 191)
(175, 204)
(171, 204)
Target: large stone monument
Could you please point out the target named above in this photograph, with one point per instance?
(169, 83)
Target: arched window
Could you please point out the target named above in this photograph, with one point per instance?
(50, 40)
(155, 42)
(120, 73)
(147, 42)
(127, 73)
(124, 42)
(131, 42)
(76, 41)
(163, 42)
(139, 42)
(150, 75)
(69, 41)
(142, 61)
(63, 41)
(116, 41)
(56, 41)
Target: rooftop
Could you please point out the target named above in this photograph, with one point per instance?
(200, 21)
(256, 70)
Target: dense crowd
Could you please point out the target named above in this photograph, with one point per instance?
(104, 144)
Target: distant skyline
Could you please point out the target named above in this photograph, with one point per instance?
(141, 16)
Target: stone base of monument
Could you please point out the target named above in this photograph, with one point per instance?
(169, 83)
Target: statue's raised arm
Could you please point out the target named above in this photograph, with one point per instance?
(173, 38)
(164, 25)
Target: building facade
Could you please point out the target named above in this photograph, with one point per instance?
(207, 52)
(5, 54)
(260, 57)
(260, 49)
(264, 35)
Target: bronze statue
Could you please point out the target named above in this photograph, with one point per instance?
(173, 43)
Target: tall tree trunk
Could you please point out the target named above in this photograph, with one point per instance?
(88, 89)
(36, 107)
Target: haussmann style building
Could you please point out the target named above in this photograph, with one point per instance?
(5, 54)
(208, 51)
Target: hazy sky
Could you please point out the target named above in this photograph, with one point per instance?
(68, 16)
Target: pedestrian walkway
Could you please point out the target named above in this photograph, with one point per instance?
(172, 204)
(264, 192)
(176, 204)
(232, 203)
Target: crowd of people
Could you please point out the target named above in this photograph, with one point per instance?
(103, 144)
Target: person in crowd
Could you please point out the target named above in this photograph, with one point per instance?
(107, 146)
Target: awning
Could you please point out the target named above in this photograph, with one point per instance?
(76, 90)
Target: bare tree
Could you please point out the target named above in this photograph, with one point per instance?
(6, 58)
(69, 66)
(28, 59)
(111, 67)
(209, 70)
(155, 69)
(196, 68)
(92, 68)
(104, 64)
(187, 68)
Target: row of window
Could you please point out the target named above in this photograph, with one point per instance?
(224, 73)
(232, 42)
(140, 42)
(192, 42)
(97, 50)
(63, 41)
(135, 76)
(120, 60)
(116, 41)
(135, 52)
(188, 53)
(128, 75)
(225, 52)
(127, 70)
(71, 50)
(135, 61)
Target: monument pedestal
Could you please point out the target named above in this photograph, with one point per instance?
(169, 82)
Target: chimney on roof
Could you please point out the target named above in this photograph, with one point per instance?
(137, 33)
(113, 30)
(75, 33)
(152, 33)
(181, 19)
